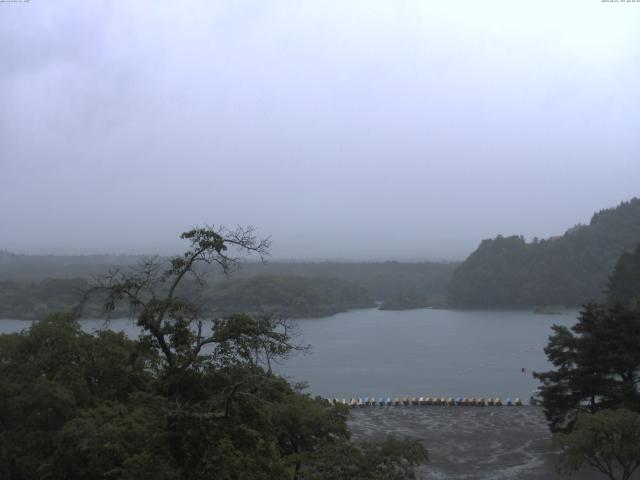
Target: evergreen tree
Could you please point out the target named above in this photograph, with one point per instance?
(624, 282)
(597, 365)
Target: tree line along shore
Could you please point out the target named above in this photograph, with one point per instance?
(504, 272)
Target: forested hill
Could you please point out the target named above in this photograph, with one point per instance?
(34, 268)
(624, 282)
(34, 286)
(568, 270)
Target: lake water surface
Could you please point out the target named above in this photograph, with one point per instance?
(411, 353)
(425, 353)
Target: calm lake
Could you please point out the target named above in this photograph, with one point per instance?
(411, 353)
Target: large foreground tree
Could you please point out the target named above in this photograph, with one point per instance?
(608, 441)
(596, 365)
(170, 319)
(188, 399)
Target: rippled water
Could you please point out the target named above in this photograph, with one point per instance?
(414, 352)
(425, 352)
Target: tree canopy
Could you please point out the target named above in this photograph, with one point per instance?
(624, 282)
(597, 365)
(294, 289)
(608, 441)
(188, 399)
(566, 270)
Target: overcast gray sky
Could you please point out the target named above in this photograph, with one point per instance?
(358, 129)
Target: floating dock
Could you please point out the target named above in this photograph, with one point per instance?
(359, 402)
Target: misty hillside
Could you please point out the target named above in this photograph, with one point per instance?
(383, 280)
(17, 267)
(287, 295)
(568, 270)
(33, 286)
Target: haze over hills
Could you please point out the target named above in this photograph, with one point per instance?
(365, 148)
(503, 272)
(33, 286)
(569, 270)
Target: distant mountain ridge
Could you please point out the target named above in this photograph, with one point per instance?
(569, 270)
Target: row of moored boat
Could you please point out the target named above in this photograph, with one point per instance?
(448, 401)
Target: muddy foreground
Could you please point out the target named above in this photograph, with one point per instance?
(470, 442)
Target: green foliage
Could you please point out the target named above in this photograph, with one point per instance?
(74, 405)
(596, 363)
(392, 459)
(624, 282)
(50, 374)
(567, 270)
(381, 280)
(37, 299)
(294, 289)
(187, 400)
(412, 299)
(608, 440)
(287, 295)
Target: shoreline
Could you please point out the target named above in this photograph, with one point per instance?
(470, 443)
(565, 311)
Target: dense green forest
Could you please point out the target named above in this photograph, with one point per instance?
(412, 299)
(568, 270)
(33, 286)
(624, 282)
(287, 295)
(35, 300)
(78, 406)
(284, 295)
(383, 280)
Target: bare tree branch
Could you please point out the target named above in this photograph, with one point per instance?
(151, 289)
